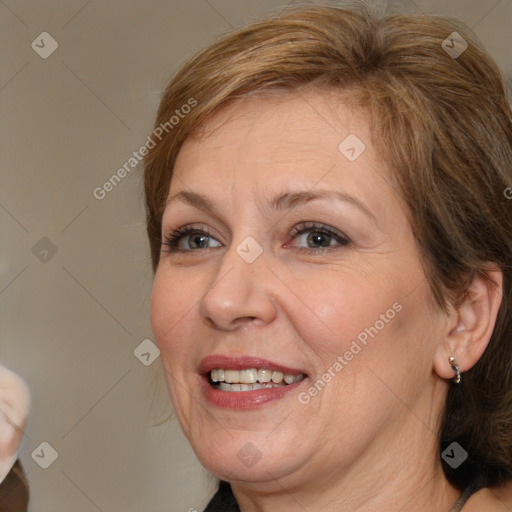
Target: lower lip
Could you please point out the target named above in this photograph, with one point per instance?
(244, 400)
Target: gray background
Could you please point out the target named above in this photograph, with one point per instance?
(70, 321)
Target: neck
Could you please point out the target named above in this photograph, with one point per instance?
(418, 491)
(396, 472)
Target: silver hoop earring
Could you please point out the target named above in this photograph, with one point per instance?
(455, 368)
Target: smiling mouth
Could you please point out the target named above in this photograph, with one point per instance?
(251, 379)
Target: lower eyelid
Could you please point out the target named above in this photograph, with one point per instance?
(300, 229)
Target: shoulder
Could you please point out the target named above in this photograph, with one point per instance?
(490, 500)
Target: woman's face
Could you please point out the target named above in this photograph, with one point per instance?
(301, 266)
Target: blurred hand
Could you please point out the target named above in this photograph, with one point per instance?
(14, 407)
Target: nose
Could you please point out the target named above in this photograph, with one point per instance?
(240, 293)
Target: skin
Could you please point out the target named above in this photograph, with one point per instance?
(367, 441)
(14, 407)
(495, 500)
(504, 496)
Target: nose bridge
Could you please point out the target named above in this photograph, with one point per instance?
(240, 260)
(239, 289)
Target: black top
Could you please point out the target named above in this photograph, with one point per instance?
(224, 500)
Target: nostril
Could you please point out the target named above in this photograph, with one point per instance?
(244, 319)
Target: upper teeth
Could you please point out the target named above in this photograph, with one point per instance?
(253, 375)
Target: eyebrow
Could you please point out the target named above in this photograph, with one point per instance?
(285, 201)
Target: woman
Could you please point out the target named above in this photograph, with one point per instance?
(332, 245)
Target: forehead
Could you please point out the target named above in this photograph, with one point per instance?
(277, 129)
(264, 146)
(270, 143)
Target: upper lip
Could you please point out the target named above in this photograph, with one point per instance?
(212, 362)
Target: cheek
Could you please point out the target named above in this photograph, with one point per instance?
(363, 331)
(169, 307)
(160, 305)
(343, 311)
(168, 315)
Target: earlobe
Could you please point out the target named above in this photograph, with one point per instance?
(470, 325)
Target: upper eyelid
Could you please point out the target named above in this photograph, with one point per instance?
(299, 226)
(298, 229)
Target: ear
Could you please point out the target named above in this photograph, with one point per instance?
(470, 324)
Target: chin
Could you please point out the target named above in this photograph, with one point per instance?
(248, 456)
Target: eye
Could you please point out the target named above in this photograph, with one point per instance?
(318, 236)
(194, 237)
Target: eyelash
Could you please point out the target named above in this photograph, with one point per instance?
(171, 241)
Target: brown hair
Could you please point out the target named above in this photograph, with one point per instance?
(443, 125)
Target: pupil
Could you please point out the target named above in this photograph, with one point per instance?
(199, 237)
(317, 238)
